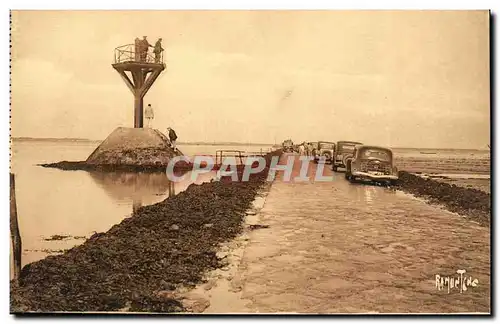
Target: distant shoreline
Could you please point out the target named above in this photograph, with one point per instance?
(48, 139)
(85, 140)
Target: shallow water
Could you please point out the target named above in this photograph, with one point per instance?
(441, 153)
(79, 203)
(458, 176)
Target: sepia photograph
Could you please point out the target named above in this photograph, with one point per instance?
(250, 162)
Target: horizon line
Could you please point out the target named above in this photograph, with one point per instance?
(101, 140)
(228, 143)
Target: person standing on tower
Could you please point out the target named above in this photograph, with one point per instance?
(173, 136)
(157, 50)
(149, 115)
(144, 48)
(137, 49)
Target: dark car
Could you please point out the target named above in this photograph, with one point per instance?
(323, 150)
(288, 146)
(343, 151)
(374, 163)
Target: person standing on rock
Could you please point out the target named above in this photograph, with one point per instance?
(173, 137)
(149, 115)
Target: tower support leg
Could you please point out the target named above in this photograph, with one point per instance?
(138, 112)
(142, 76)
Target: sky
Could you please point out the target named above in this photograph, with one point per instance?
(391, 78)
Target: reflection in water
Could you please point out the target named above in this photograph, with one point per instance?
(140, 188)
(369, 193)
(137, 201)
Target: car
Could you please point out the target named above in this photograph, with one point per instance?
(288, 146)
(374, 163)
(323, 149)
(343, 151)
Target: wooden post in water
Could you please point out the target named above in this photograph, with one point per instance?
(14, 229)
(171, 189)
(136, 204)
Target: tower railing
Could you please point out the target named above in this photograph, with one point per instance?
(129, 54)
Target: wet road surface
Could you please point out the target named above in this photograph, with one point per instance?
(336, 247)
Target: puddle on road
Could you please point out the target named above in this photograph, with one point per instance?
(370, 194)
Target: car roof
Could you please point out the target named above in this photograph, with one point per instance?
(373, 147)
(350, 142)
(326, 142)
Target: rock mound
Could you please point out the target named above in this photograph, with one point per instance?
(133, 146)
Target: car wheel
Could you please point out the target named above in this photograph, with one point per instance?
(351, 178)
(334, 167)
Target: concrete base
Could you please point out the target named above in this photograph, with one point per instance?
(133, 146)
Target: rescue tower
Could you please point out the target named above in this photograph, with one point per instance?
(139, 71)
